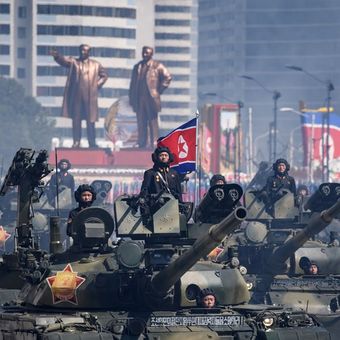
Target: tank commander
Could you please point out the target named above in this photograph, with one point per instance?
(85, 195)
(217, 179)
(161, 178)
(206, 298)
(280, 181)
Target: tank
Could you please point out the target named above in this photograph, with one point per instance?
(145, 286)
(278, 246)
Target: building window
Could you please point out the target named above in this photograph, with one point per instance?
(21, 52)
(172, 49)
(87, 31)
(21, 32)
(172, 9)
(102, 52)
(22, 12)
(175, 105)
(172, 22)
(118, 12)
(4, 29)
(4, 49)
(4, 8)
(176, 36)
(175, 63)
(21, 72)
(4, 70)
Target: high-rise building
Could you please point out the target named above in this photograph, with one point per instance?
(116, 30)
(258, 39)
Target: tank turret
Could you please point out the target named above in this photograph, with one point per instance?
(286, 262)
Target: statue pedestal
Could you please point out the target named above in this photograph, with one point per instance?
(131, 158)
(84, 157)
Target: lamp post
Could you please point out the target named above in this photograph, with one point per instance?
(276, 96)
(325, 119)
(310, 155)
(237, 169)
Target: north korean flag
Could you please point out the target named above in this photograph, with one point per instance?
(182, 144)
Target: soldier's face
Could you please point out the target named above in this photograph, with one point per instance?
(63, 166)
(313, 269)
(281, 167)
(86, 196)
(164, 157)
(147, 54)
(84, 52)
(208, 301)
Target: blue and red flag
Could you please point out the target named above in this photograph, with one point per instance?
(312, 135)
(182, 144)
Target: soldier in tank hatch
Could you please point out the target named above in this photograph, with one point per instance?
(280, 180)
(161, 178)
(217, 179)
(206, 298)
(85, 195)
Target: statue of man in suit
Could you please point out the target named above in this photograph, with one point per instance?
(80, 101)
(148, 81)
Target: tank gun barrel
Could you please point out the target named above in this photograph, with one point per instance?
(315, 225)
(166, 278)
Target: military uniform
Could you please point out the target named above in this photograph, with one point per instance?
(160, 179)
(277, 183)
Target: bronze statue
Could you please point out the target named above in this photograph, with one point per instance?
(80, 102)
(148, 81)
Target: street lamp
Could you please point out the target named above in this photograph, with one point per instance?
(310, 155)
(330, 88)
(276, 96)
(239, 107)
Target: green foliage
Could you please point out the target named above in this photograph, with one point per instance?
(24, 122)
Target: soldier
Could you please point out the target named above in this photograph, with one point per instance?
(217, 179)
(280, 181)
(85, 195)
(80, 102)
(161, 178)
(206, 298)
(148, 81)
(62, 177)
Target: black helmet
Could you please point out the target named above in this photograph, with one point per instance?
(202, 294)
(218, 177)
(302, 187)
(158, 151)
(64, 160)
(81, 189)
(279, 161)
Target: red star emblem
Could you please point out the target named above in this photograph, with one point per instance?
(4, 236)
(181, 146)
(64, 285)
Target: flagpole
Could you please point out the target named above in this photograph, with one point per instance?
(198, 163)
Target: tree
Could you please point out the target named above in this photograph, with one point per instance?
(24, 122)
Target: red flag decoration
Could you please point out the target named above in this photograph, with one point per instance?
(206, 148)
(312, 135)
(182, 144)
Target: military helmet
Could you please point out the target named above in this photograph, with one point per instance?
(279, 161)
(218, 177)
(81, 189)
(64, 160)
(158, 151)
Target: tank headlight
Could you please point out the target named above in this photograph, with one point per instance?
(243, 270)
(268, 322)
(249, 285)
